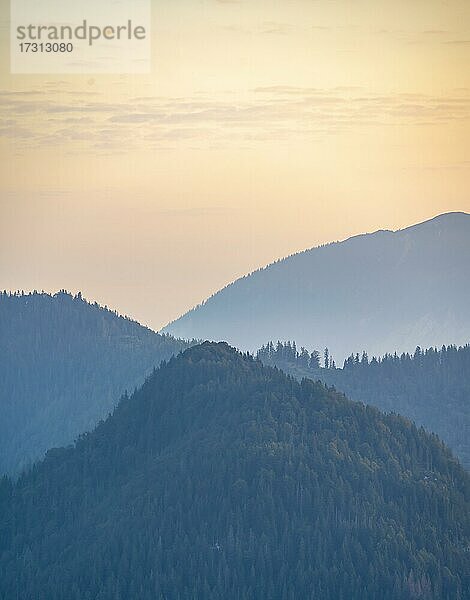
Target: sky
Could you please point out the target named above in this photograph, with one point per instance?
(264, 128)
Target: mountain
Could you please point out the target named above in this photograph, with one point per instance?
(224, 479)
(430, 387)
(389, 289)
(64, 364)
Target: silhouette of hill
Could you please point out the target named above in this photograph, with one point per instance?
(64, 364)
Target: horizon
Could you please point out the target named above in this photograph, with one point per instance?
(128, 315)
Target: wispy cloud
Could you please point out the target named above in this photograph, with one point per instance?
(268, 113)
(458, 42)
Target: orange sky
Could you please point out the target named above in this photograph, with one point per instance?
(264, 128)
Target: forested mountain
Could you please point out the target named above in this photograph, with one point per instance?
(225, 479)
(64, 363)
(431, 387)
(377, 291)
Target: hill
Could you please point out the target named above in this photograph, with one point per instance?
(376, 291)
(64, 365)
(431, 387)
(225, 479)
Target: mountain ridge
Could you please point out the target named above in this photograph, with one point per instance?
(256, 305)
(437, 218)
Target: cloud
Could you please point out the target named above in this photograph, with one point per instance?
(265, 113)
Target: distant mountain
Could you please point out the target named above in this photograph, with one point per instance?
(64, 365)
(380, 291)
(430, 387)
(224, 479)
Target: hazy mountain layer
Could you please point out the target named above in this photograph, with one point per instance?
(377, 292)
(64, 364)
(224, 479)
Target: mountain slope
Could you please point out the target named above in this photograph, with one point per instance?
(224, 479)
(376, 291)
(64, 364)
(430, 387)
